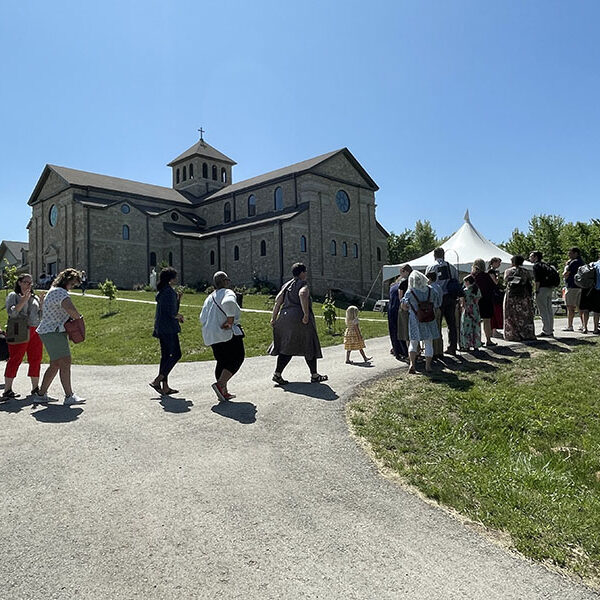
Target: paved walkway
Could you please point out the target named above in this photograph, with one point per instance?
(131, 496)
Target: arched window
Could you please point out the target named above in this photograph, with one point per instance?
(333, 248)
(223, 175)
(236, 253)
(177, 176)
(263, 248)
(344, 249)
(205, 170)
(355, 250)
(125, 232)
(302, 243)
(214, 172)
(191, 171)
(227, 212)
(212, 257)
(378, 254)
(278, 199)
(170, 259)
(184, 173)
(152, 259)
(251, 205)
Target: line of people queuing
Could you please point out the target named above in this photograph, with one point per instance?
(418, 303)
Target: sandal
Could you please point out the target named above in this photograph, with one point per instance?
(9, 394)
(279, 380)
(170, 391)
(412, 370)
(156, 386)
(318, 378)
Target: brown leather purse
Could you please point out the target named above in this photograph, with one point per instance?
(75, 329)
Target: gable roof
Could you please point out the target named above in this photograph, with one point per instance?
(201, 148)
(15, 247)
(73, 177)
(295, 169)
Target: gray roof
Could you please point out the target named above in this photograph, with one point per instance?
(272, 217)
(296, 168)
(201, 148)
(106, 182)
(15, 247)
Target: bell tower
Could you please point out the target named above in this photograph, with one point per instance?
(201, 169)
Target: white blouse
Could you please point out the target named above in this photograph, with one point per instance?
(54, 315)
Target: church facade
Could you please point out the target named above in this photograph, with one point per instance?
(320, 211)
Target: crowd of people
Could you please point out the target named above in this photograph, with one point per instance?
(487, 301)
(418, 304)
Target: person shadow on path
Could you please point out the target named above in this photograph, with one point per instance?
(243, 412)
(321, 391)
(57, 413)
(175, 405)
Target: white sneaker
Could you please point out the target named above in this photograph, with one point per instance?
(40, 399)
(73, 399)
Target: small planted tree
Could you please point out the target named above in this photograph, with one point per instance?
(108, 289)
(9, 276)
(329, 313)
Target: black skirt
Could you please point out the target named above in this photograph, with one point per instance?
(590, 300)
(486, 307)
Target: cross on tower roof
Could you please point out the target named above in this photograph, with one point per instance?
(201, 134)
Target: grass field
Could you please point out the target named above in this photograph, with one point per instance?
(124, 336)
(513, 444)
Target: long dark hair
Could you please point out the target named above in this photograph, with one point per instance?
(18, 283)
(166, 276)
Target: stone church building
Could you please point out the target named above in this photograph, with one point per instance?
(320, 211)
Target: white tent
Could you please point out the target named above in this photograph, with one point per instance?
(462, 248)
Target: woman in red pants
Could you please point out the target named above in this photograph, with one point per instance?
(24, 303)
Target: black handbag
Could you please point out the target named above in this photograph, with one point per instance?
(3, 347)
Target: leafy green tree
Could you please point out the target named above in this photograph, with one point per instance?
(424, 239)
(9, 277)
(399, 246)
(329, 313)
(585, 236)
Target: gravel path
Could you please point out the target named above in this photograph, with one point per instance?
(268, 497)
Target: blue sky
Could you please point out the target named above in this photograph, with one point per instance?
(449, 105)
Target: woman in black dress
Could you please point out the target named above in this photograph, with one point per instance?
(488, 288)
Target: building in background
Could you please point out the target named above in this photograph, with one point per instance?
(320, 211)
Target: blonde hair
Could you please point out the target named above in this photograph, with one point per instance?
(65, 277)
(351, 314)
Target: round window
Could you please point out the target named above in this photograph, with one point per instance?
(342, 201)
(125, 209)
(53, 215)
(174, 216)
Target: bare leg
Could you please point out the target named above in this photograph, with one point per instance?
(570, 315)
(49, 376)
(348, 361)
(413, 360)
(585, 315)
(65, 375)
(8, 381)
(35, 382)
(225, 377)
(428, 363)
(487, 329)
(365, 357)
(596, 321)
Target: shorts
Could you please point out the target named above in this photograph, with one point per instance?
(572, 296)
(56, 344)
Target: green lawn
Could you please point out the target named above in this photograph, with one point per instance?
(513, 444)
(125, 337)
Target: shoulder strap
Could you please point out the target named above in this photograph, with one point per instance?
(214, 295)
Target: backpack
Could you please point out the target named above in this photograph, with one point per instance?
(518, 285)
(424, 312)
(549, 275)
(586, 276)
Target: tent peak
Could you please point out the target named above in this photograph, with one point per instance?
(466, 217)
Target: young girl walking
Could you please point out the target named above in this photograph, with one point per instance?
(470, 322)
(353, 339)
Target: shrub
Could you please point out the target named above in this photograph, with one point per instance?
(200, 286)
(108, 289)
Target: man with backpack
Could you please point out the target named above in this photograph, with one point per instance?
(546, 278)
(447, 280)
(588, 279)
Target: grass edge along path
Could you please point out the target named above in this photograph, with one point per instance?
(512, 445)
(123, 334)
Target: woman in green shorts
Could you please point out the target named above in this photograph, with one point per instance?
(57, 310)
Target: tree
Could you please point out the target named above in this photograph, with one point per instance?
(108, 289)
(399, 246)
(424, 239)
